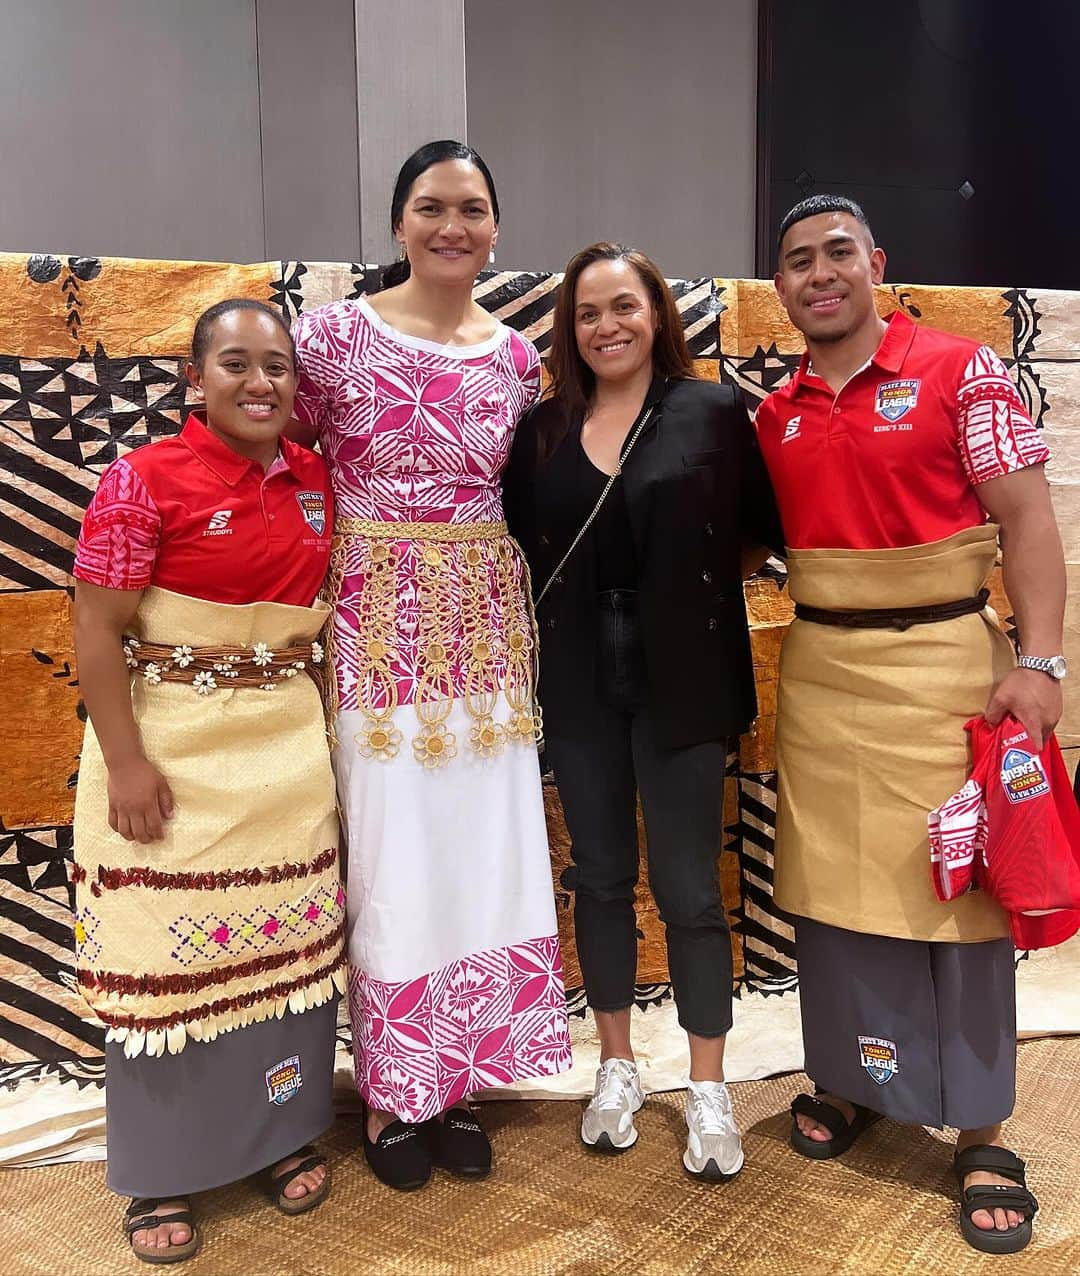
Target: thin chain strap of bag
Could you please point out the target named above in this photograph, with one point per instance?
(596, 508)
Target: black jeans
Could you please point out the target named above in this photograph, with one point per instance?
(599, 774)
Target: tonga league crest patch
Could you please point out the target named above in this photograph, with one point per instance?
(313, 507)
(1022, 775)
(283, 1080)
(879, 1058)
(895, 398)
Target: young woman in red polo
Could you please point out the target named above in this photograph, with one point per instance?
(209, 911)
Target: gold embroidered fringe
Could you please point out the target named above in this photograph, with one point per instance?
(455, 564)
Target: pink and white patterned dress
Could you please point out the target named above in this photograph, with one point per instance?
(455, 974)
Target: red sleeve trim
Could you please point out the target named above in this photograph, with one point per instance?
(121, 532)
(996, 434)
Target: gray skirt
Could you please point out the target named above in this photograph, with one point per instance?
(924, 1033)
(219, 1111)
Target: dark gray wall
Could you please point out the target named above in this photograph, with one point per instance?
(310, 164)
(190, 129)
(618, 119)
(130, 127)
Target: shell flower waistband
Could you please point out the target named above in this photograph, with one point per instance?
(208, 669)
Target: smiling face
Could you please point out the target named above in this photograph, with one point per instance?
(247, 381)
(828, 269)
(614, 320)
(448, 226)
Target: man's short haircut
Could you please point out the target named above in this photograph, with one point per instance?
(814, 206)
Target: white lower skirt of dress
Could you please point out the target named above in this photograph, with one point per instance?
(455, 979)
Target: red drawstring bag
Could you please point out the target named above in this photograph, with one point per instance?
(1014, 831)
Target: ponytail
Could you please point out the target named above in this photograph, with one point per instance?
(396, 273)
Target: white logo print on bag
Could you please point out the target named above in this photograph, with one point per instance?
(219, 524)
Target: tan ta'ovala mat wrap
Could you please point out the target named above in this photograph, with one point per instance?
(238, 913)
(870, 737)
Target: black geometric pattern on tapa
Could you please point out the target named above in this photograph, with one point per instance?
(525, 301)
(1025, 319)
(43, 1020)
(767, 933)
(61, 422)
(758, 374)
(287, 291)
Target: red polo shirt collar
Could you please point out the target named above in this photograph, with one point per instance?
(889, 356)
(217, 456)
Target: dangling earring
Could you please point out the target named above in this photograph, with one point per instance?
(491, 257)
(402, 254)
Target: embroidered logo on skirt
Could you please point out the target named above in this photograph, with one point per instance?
(283, 1080)
(1022, 776)
(879, 1058)
(313, 507)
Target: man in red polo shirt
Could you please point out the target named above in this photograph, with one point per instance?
(889, 450)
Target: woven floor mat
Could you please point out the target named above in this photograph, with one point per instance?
(552, 1208)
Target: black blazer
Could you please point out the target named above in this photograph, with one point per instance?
(696, 491)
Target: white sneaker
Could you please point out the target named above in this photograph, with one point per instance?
(713, 1149)
(607, 1124)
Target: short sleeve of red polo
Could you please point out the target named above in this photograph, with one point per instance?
(996, 434)
(895, 457)
(190, 515)
(119, 539)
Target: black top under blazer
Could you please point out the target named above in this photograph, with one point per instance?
(696, 491)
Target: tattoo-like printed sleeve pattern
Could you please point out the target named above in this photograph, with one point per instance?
(118, 543)
(996, 435)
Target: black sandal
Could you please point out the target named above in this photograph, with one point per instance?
(994, 1196)
(140, 1214)
(842, 1132)
(274, 1185)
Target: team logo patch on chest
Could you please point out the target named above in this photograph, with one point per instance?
(879, 1057)
(283, 1080)
(1022, 776)
(313, 507)
(893, 399)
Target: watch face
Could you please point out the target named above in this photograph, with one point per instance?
(1059, 666)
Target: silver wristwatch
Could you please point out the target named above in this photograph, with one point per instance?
(1056, 666)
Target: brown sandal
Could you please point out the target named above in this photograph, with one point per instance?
(274, 1185)
(140, 1215)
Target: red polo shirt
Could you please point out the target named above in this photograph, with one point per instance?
(895, 458)
(191, 515)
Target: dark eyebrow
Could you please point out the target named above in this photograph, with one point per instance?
(829, 243)
(622, 296)
(246, 352)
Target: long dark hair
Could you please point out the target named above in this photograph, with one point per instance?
(419, 162)
(573, 382)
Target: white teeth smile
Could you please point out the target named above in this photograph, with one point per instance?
(826, 303)
(613, 346)
(257, 409)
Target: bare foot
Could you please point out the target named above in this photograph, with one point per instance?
(988, 1220)
(377, 1121)
(165, 1234)
(309, 1181)
(814, 1129)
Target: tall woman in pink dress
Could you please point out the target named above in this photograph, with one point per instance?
(455, 977)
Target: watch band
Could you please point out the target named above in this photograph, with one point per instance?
(1055, 667)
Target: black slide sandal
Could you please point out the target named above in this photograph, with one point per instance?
(843, 1132)
(987, 1196)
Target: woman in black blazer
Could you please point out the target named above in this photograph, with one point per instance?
(645, 667)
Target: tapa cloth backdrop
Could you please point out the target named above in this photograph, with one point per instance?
(91, 360)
